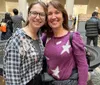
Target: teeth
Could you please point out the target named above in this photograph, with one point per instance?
(54, 22)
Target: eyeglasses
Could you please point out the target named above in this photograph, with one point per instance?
(41, 14)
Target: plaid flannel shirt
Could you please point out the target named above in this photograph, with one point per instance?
(21, 60)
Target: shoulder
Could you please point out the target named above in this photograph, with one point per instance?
(12, 17)
(89, 20)
(78, 43)
(16, 38)
(20, 16)
(77, 38)
(76, 35)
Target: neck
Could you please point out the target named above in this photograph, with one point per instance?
(60, 32)
(31, 32)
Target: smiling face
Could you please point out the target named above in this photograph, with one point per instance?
(55, 17)
(36, 16)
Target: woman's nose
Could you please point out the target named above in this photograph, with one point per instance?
(38, 16)
(53, 16)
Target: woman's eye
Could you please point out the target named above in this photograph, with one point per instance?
(49, 13)
(57, 12)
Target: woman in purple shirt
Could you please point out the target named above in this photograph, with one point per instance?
(61, 57)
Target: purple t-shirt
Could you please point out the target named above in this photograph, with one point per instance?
(60, 57)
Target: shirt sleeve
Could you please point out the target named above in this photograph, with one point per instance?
(80, 58)
(12, 64)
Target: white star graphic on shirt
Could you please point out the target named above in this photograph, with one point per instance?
(66, 48)
(58, 42)
(56, 72)
(47, 58)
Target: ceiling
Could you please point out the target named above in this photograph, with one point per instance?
(83, 2)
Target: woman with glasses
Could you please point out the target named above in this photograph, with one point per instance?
(24, 50)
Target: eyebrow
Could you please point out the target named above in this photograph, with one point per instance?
(37, 11)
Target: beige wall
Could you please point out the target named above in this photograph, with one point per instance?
(30, 1)
(83, 2)
(12, 0)
(92, 4)
(2, 6)
(63, 2)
